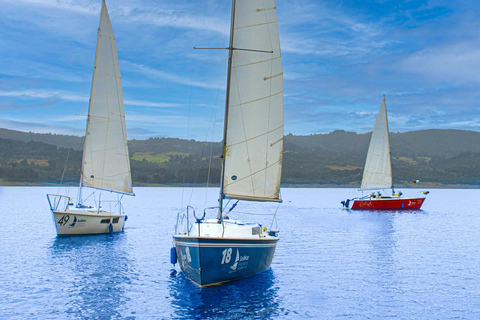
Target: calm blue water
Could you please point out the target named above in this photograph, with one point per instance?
(330, 263)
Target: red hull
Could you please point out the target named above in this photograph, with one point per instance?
(388, 204)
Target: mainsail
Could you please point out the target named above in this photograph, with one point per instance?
(254, 125)
(106, 163)
(378, 167)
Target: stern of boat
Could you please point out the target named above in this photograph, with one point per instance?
(212, 261)
(212, 252)
(71, 220)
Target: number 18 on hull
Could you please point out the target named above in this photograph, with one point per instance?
(214, 261)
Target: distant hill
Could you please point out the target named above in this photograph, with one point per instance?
(59, 140)
(434, 156)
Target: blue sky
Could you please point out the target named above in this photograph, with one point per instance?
(339, 57)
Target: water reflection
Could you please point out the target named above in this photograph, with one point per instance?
(95, 271)
(255, 297)
(382, 255)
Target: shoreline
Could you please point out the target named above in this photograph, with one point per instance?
(288, 185)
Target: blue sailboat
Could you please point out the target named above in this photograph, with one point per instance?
(218, 250)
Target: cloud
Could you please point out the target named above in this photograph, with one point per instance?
(165, 76)
(339, 57)
(23, 124)
(43, 94)
(67, 96)
(173, 19)
(455, 63)
(151, 104)
(78, 6)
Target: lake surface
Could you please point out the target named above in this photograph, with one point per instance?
(329, 263)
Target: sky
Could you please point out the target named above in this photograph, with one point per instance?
(339, 58)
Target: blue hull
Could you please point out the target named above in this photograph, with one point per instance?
(211, 261)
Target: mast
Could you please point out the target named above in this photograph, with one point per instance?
(377, 173)
(224, 147)
(388, 142)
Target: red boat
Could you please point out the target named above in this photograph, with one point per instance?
(377, 174)
(387, 203)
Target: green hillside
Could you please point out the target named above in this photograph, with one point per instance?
(436, 157)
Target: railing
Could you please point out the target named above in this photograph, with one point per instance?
(113, 205)
(183, 224)
(57, 201)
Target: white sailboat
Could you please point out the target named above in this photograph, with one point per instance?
(213, 251)
(106, 163)
(377, 174)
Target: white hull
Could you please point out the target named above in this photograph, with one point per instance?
(83, 222)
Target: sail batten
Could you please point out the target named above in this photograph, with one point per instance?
(106, 163)
(254, 132)
(377, 173)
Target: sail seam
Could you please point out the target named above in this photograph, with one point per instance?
(254, 173)
(253, 63)
(265, 9)
(259, 99)
(274, 76)
(256, 25)
(258, 136)
(272, 198)
(243, 126)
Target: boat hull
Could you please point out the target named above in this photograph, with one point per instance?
(212, 261)
(388, 204)
(79, 223)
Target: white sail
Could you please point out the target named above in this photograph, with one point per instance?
(106, 163)
(378, 167)
(254, 135)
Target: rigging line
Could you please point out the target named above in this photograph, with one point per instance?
(186, 138)
(212, 122)
(68, 157)
(204, 147)
(274, 219)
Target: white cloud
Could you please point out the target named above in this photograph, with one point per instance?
(455, 63)
(43, 94)
(158, 74)
(79, 6)
(67, 96)
(151, 104)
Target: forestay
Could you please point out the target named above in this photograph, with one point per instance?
(378, 167)
(106, 163)
(254, 134)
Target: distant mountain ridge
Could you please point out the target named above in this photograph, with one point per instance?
(447, 142)
(434, 156)
(59, 140)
